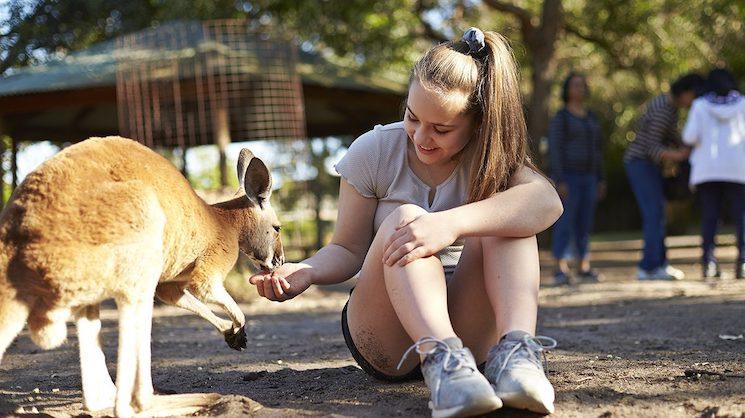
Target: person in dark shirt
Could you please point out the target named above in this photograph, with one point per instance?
(576, 152)
(658, 139)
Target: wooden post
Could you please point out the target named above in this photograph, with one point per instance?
(222, 140)
(2, 159)
(14, 163)
(184, 167)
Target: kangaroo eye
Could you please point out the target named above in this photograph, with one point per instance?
(277, 228)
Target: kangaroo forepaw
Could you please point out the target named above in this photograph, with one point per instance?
(236, 340)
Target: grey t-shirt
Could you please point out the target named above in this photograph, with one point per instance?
(377, 166)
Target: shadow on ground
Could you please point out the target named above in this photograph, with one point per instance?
(623, 350)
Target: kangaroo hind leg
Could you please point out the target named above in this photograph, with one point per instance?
(99, 391)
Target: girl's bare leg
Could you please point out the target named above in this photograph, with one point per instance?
(494, 293)
(393, 306)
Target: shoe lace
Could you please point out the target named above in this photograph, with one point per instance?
(533, 344)
(454, 359)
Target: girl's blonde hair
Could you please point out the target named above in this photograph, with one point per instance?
(489, 80)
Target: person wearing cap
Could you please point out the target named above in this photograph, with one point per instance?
(437, 216)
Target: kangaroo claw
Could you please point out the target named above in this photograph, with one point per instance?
(236, 340)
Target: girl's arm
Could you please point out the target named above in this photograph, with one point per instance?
(527, 207)
(334, 263)
(342, 258)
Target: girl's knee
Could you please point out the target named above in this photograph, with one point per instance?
(401, 214)
(406, 211)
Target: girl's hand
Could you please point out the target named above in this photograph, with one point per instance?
(420, 236)
(285, 282)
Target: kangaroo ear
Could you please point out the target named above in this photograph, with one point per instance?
(244, 158)
(254, 177)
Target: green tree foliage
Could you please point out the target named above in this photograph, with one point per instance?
(318, 190)
(630, 51)
(34, 30)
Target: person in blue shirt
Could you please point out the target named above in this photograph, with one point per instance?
(576, 151)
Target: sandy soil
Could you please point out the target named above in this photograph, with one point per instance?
(626, 348)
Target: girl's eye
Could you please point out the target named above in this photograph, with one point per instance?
(411, 118)
(441, 132)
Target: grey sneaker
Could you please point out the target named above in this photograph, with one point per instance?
(457, 388)
(515, 371)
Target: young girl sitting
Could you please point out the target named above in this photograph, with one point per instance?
(438, 214)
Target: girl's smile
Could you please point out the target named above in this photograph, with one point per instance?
(436, 125)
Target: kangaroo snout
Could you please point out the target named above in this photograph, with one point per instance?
(266, 265)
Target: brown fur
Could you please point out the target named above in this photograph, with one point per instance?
(110, 218)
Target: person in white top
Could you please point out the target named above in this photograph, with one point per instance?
(438, 214)
(716, 130)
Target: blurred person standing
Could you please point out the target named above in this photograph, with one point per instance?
(657, 140)
(716, 130)
(576, 153)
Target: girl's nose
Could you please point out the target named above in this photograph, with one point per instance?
(420, 135)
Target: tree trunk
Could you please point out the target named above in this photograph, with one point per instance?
(184, 165)
(14, 163)
(319, 222)
(2, 157)
(222, 140)
(316, 189)
(541, 44)
(539, 37)
(538, 116)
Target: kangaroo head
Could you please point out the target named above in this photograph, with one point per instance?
(259, 236)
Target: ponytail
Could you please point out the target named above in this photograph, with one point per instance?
(500, 143)
(482, 67)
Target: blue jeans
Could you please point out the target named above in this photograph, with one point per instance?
(712, 196)
(575, 224)
(646, 182)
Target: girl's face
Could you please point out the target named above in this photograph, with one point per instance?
(437, 124)
(577, 89)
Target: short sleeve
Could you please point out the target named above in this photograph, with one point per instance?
(359, 166)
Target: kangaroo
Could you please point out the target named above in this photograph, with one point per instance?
(110, 218)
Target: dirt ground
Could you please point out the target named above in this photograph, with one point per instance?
(626, 349)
